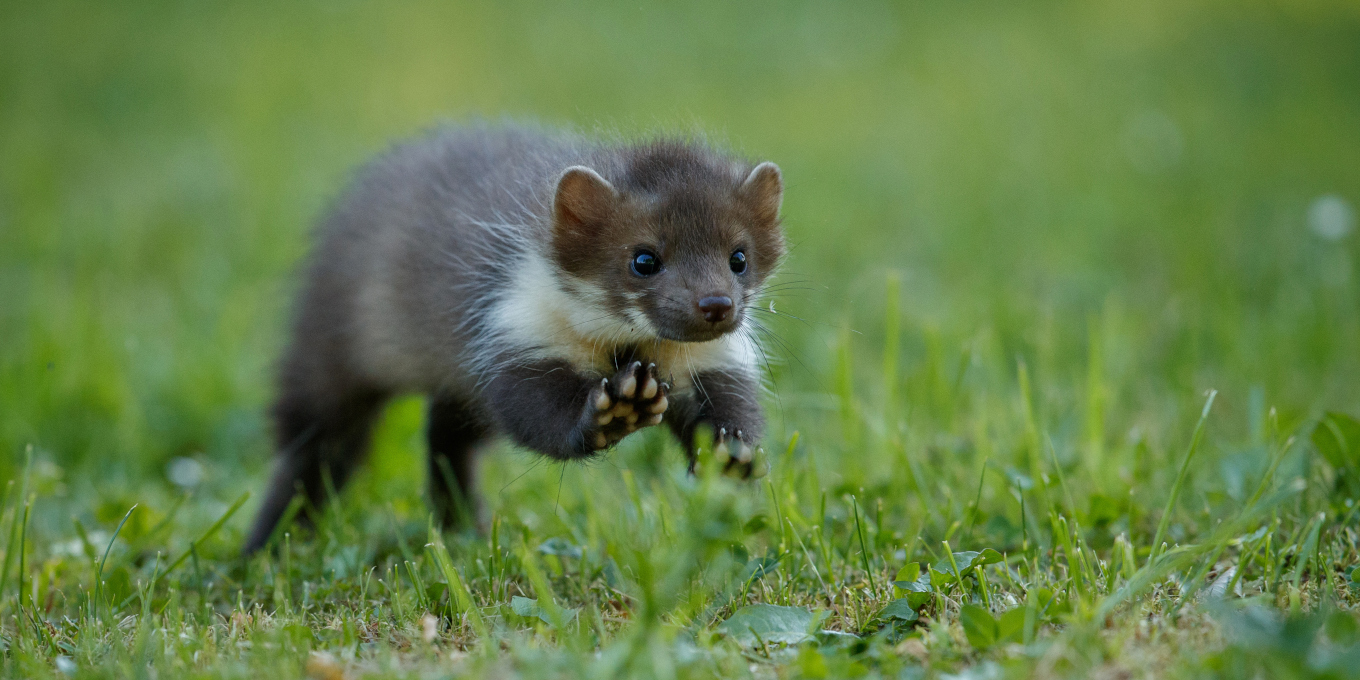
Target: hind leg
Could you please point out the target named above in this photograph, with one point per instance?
(454, 430)
(319, 445)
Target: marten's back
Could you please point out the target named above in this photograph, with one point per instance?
(415, 249)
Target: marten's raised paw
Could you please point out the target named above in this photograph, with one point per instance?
(738, 457)
(635, 398)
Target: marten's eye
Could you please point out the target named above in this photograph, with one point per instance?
(737, 262)
(646, 264)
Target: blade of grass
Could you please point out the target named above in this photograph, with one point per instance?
(1062, 478)
(779, 517)
(193, 545)
(1308, 551)
(418, 584)
(1085, 554)
(830, 597)
(9, 544)
(1063, 538)
(1269, 476)
(1183, 556)
(1032, 453)
(457, 589)
(14, 520)
(864, 548)
(1180, 478)
(1244, 564)
(99, 574)
(23, 548)
(547, 599)
(977, 501)
(163, 524)
(1197, 581)
(949, 553)
(295, 505)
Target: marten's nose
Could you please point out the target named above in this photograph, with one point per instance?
(716, 308)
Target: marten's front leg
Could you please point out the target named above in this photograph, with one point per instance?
(727, 403)
(552, 408)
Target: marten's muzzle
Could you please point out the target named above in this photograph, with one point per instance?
(715, 308)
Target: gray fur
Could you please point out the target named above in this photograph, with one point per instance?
(406, 291)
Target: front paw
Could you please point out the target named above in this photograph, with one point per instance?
(738, 455)
(635, 398)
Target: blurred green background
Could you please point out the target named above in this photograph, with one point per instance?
(1168, 186)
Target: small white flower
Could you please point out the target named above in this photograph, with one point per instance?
(184, 472)
(429, 628)
(1331, 217)
(66, 665)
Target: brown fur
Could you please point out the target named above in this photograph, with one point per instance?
(489, 267)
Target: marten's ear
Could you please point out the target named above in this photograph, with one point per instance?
(583, 200)
(764, 191)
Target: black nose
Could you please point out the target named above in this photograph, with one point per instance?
(716, 308)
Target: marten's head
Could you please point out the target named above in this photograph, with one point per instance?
(675, 240)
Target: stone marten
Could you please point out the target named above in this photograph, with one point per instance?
(546, 286)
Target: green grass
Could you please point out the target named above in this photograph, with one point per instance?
(1062, 289)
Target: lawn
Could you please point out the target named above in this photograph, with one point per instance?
(1063, 369)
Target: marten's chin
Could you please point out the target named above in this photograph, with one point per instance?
(698, 333)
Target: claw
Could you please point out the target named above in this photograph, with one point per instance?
(628, 386)
(603, 402)
(761, 465)
(649, 388)
(743, 454)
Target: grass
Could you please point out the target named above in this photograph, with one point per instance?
(1063, 367)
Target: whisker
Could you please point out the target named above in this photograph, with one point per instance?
(769, 371)
(806, 322)
(537, 461)
(788, 348)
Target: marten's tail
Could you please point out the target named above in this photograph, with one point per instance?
(320, 440)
